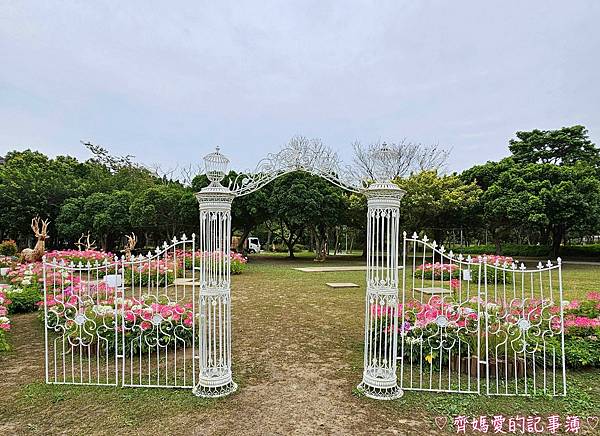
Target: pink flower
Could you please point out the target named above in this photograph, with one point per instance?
(145, 325)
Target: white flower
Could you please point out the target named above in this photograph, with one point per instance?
(4, 320)
(26, 282)
(101, 310)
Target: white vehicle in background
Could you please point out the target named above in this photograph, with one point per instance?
(252, 244)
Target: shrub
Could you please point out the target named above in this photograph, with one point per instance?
(23, 300)
(8, 248)
(238, 263)
(538, 251)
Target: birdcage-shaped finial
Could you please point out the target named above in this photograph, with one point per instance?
(215, 165)
(383, 156)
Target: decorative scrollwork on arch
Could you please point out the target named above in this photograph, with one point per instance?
(311, 156)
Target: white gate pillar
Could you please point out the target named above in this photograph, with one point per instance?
(381, 306)
(214, 306)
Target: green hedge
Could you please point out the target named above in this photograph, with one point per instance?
(539, 251)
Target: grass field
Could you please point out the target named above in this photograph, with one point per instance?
(297, 359)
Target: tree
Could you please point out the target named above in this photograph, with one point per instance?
(164, 210)
(565, 146)
(330, 213)
(438, 202)
(247, 212)
(299, 201)
(106, 216)
(546, 197)
(32, 184)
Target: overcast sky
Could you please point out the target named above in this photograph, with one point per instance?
(167, 81)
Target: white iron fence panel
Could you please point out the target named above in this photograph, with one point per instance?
(128, 322)
(479, 324)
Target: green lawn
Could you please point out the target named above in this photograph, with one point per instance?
(297, 359)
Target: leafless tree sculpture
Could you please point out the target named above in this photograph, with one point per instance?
(402, 158)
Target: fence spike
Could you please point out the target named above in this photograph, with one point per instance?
(558, 260)
(539, 265)
(549, 264)
(184, 237)
(415, 236)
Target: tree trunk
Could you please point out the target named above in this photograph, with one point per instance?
(290, 246)
(364, 252)
(557, 237)
(242, 241)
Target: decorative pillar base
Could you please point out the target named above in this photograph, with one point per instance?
(380, 389)
(215, 391)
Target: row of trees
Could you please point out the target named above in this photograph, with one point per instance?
(105, 196)
(547, 191)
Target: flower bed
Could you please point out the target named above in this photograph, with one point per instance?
(447, 271)
(76, 256)
(4, 321)
(238, 263)
(91, 316)
(501, 330)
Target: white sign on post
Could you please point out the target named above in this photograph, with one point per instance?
(467, 274)
(113, 280)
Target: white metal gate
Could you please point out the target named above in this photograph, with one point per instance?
(127, 321)
(479, 324)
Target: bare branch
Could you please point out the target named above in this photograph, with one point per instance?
(114, 163)
(404, 157)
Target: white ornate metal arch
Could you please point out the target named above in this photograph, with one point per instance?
(309, 156)
(383, 214)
